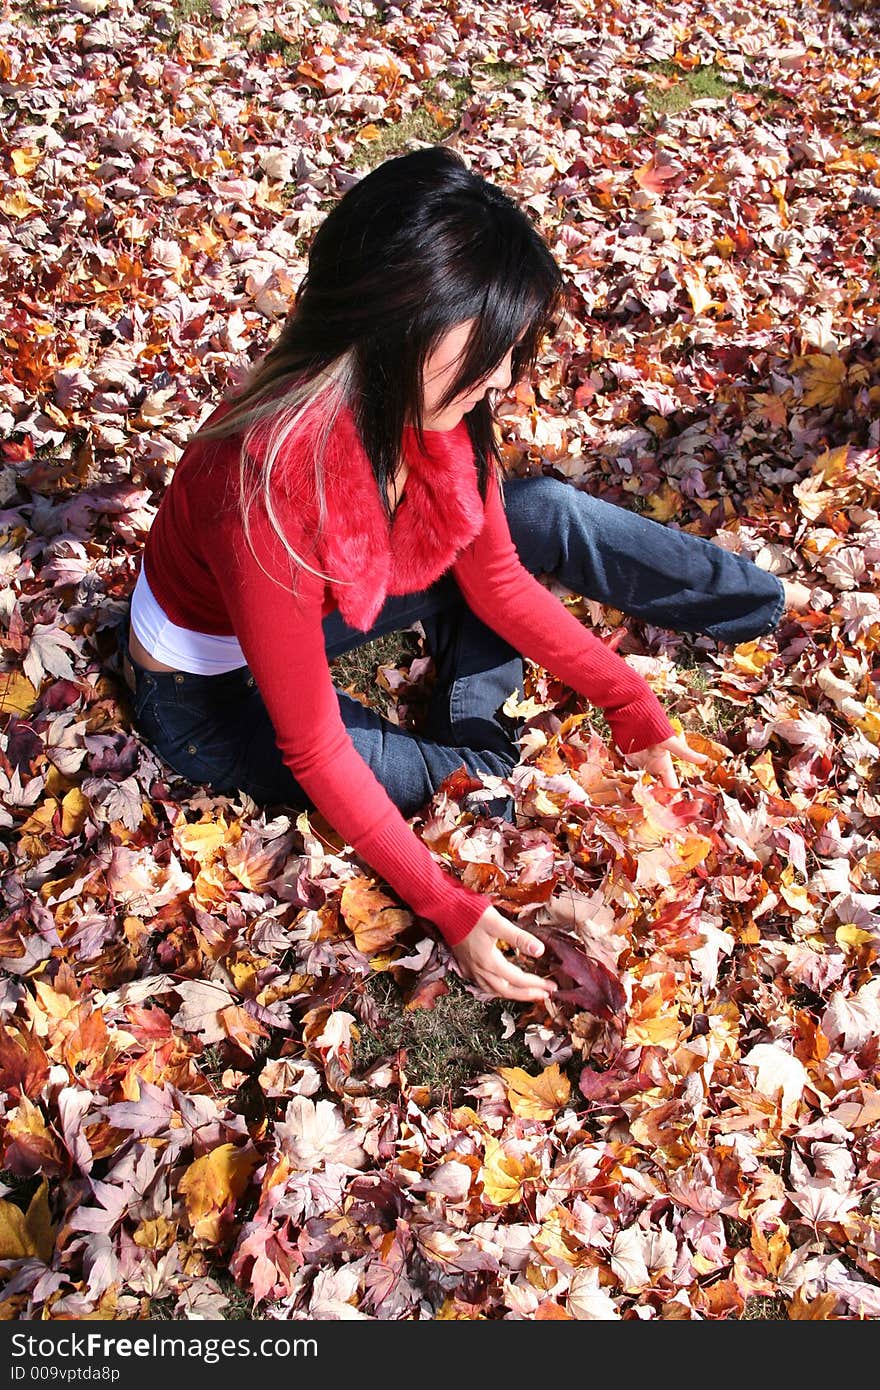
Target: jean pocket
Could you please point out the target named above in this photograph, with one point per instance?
(202, 745)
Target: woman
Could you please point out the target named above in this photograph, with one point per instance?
(352, 486)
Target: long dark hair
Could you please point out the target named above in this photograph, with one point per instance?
(416, 247)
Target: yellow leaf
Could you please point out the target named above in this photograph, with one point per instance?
(699, 295)
(449, 1312)
(536, 1097)
(528, 708)
(813, 498)
(383, 961)
(17, 695)
(655, 1022)
(794, 893)
(202, 840)
(75, 809)
(213, 885)
(18, 204)
(751, 658)
(772, 1250)
(56, 1004)
(553, 1242)
(244, 976)
(28, 1134)
(824, 379)
(832, 463)
(214, 1181)
(27, 1234)
(41, 819)
(542, 804)
(870, 723)
(663, 504)
(155, 1233)
(805, 1309)
(852, 937)
(701, 744)
(367, 133)
(503, 1175)
(25, 160)
(763, 771)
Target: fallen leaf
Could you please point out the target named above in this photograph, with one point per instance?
(536, 1097)
(214, 1183)
(27, 1234)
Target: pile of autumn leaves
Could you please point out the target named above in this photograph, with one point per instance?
(699, 1128)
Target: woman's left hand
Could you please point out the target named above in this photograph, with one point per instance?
(657, 759)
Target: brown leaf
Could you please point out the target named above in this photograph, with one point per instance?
(373, 917)
(28, 1143)
(84, 1049)
(242, 1028)
(24, 1066)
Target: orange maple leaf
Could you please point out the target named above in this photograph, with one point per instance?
(536, 1097)
(371, 915)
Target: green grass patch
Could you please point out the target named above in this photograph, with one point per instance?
(502, 73)
(416, 126)
(197, 13)
(355, 671)
(688, 87)
(240, 1307)
(693, 85)
(272, 42)
(423, 126)
(762, 1306)
(860, 141)
(446, 1046)
(194, 12)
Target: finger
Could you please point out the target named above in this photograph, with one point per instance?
(504, 970)
(526, 993)
(520, 939)
(668, 776)
(688, 754)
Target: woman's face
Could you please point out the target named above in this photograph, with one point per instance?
(440, 370)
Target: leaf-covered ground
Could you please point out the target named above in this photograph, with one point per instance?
(226, 1056)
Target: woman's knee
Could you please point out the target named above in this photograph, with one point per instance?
(536, 496)
(540, 512)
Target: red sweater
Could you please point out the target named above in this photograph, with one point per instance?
(206, 577)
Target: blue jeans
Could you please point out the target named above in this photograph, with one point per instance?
(215, 730)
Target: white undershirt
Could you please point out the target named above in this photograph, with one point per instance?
(202, 653)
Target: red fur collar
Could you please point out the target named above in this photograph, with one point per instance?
(440, 513)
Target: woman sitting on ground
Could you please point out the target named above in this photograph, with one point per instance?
(353, 486)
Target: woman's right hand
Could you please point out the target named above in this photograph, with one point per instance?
(657, 759)
(482, 961)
